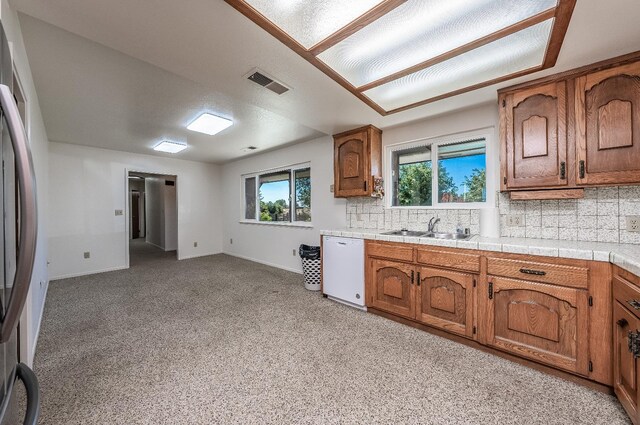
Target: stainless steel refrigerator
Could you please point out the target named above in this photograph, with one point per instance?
(18, 234)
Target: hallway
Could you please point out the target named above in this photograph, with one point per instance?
(141, 253)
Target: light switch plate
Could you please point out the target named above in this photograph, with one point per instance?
(87, 254)
(331, 188)
(195, 244)
(119, 212)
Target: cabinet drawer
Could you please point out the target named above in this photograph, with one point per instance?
(576, 277)
(395, 252)
(627, 294)
(454, 260)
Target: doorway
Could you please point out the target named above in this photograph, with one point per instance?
(152, 217)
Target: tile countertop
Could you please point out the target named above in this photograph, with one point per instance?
(626, 256)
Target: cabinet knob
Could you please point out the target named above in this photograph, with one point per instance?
(622, 323)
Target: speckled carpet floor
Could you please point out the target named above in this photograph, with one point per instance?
(217, 340)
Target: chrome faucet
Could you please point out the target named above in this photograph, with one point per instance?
(432, 224)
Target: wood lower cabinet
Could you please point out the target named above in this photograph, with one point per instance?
(542, 322)
(445, 300)
(392, 287)
(626, 342)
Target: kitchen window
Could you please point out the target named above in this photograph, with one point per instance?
(445, 172)
(278, 196)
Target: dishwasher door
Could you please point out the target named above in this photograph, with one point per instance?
(343, 269)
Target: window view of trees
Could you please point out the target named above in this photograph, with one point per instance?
(283, 195)
(461, 174)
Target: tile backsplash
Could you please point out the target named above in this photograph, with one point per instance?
(599, 217)
(370, 213)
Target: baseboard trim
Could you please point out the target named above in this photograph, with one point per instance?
(266, 263)
(157, 246)
(67, 276)
(200, 255)
(37, 336)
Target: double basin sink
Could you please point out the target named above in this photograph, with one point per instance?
(434, 235)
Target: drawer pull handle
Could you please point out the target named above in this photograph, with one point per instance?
(534, 272)
(634, 303)
(412, 276)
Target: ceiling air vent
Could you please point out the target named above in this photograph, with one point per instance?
(259, 77)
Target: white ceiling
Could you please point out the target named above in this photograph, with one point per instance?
(123, 75)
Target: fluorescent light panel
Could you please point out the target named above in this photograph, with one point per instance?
(209, 124)
(311, 21)
(517, 52)
(420, 30)
(169, 147)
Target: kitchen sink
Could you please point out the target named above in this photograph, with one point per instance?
(434, 235)
(442, 235)
(405, 232)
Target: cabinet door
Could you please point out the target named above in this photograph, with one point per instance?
(351, 163)
(393, 288)
(625, 365)
(541, 322)
(536, 137)
(608, 126)
(444, 299)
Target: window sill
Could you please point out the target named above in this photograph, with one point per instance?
(277, 224)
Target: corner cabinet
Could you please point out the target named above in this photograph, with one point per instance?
(357, 159)
(572, 130)
(607, 111)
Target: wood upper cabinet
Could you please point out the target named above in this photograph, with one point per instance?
(444, 299)
(535, 137)
(392, 287)
(357, 159)
(545, 323)
(607, 108)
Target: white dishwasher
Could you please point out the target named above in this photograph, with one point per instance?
(343, 270)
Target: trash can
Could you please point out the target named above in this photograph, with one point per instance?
(310, 256)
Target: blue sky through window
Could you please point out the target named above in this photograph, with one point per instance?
(274, 191)
(463, 166)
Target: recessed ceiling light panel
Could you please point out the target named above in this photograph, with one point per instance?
(420, 30)
(169, 147)
(209, 124)
(310, 22)
(517, 52)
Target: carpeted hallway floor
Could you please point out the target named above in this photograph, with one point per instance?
(217, 340)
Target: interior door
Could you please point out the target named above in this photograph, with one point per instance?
(625, 365)
(393, 288)
(537, 137)
(135, 214)
(445, 300)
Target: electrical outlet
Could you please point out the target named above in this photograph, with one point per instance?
(633, 223)
(195, 244)
(231, 241)
(516, 220)
(294, 252)
(87, 254)
(119, 212)
(331, 188)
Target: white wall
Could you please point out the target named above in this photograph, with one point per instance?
(32, 314)
(272, 244)
(88, 185)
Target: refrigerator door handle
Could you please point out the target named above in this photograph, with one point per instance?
(28, 378)
(28, 214)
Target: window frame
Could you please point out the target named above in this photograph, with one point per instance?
(292, 195)
(434, 142)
